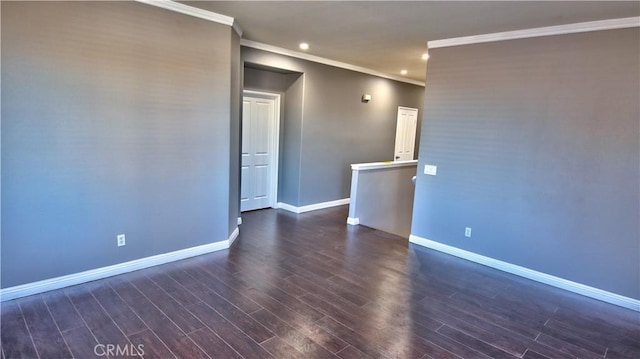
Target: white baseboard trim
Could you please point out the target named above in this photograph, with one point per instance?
(109, 271)
(312, 207)
(233, 236)
(557, 282)
(287, 207)
(239, 220)
(353, 221)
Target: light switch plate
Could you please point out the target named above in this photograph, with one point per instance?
(430, 170)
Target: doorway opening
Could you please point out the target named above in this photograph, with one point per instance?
(259, 150)
(277, 182)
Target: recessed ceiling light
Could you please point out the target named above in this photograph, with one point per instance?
(304, 46)
(425, 56)
(403, 72)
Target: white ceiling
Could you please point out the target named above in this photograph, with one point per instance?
(388, 36)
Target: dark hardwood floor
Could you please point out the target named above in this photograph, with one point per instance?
(309, 286)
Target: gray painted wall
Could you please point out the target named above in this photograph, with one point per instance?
(263, 79)
(385, 199)
(235, 132)
(115, 119)
(537, 148)
(290, 141)
(337, 129)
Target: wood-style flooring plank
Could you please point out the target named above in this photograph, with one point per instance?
(375, 343)
(235, 337)
(328, 291)
(237, 317)
(169, 306)
(200, 283)
(567, 348)
(262, 279)
(213, 345)
(149, 345)
(15, 337)
(578, 336)
(119, 311)
(474, 343)
(287, 300)
(44, 331)
(81, 342)
(172, 287)
(162, 326)
(292, 336)
(281, 350)
(98, 321)
(351, 352)
(306, 325)
(530, 354)
(63, 312)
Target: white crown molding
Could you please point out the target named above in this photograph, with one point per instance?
(551, 280)
(116, 269)
(196, 12)
(610, 24)
(325, 61)
(238, 29)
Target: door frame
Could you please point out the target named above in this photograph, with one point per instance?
(274, 141)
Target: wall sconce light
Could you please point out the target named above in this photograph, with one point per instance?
(366, 98)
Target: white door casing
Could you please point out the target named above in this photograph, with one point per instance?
(406, 133)
(259, 162)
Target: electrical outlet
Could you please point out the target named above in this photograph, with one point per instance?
(121, 240)
(467, 232)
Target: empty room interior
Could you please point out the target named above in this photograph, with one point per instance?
(267, 179)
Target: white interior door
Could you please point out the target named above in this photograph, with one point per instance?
(406, 133)
(259, 148)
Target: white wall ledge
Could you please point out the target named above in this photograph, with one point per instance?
(381, 165)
